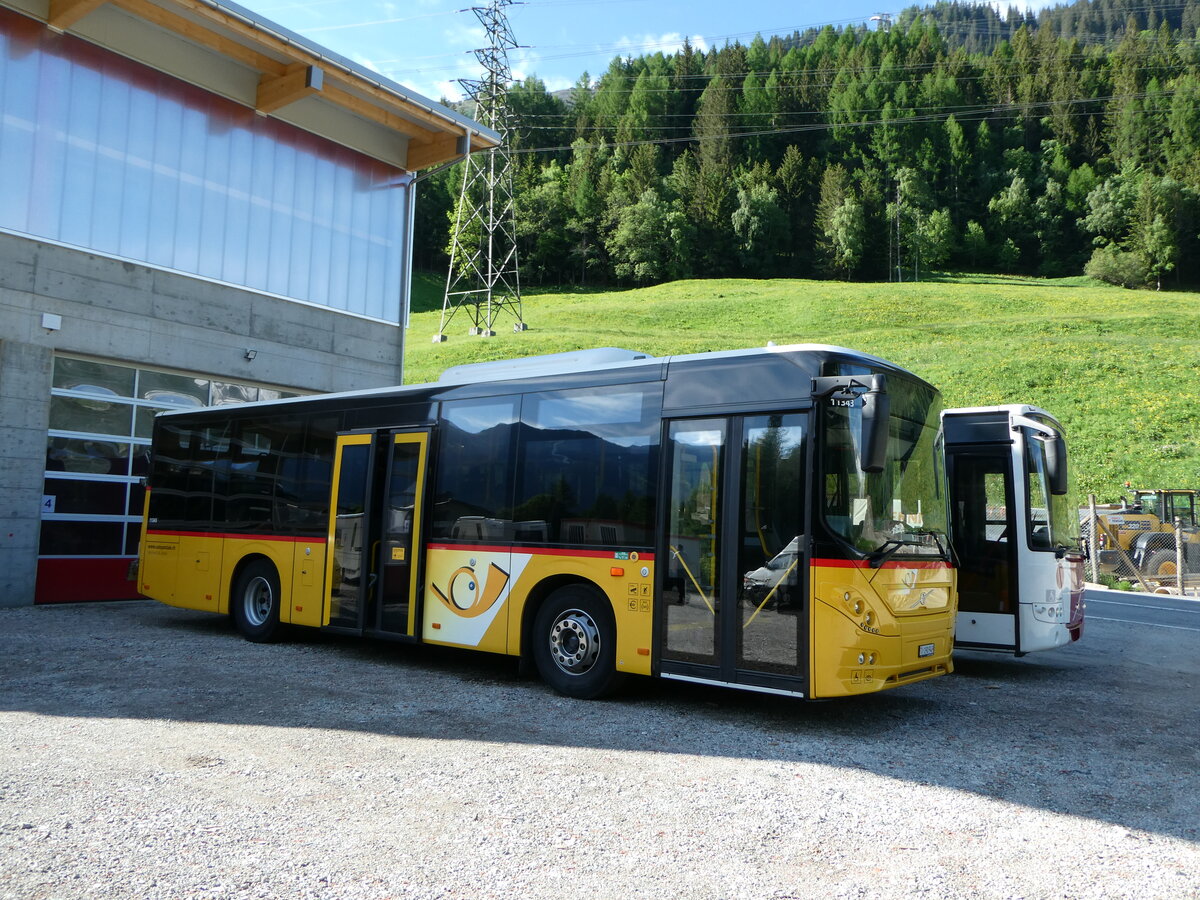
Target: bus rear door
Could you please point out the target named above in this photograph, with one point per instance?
(375, 533)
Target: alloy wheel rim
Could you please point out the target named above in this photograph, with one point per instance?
(575, 642)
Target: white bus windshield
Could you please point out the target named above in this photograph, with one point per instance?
(1053, 520)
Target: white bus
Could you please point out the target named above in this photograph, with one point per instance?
(1014, 529)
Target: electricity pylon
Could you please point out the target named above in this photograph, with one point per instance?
(483, 278)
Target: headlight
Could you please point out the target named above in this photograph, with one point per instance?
(1048, 612)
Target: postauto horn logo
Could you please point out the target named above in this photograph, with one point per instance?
(465, 596)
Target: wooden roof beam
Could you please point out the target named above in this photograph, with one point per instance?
(65, 13)
(368, 110)
(430, 153)
(353, 87)
(277, 91)
(203, 35)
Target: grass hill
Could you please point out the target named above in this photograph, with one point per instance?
(1120, 369)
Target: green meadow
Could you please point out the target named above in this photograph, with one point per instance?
(1119, 368)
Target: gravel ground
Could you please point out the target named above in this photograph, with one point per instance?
(150, 752)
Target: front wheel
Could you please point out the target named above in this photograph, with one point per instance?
(1162, 565)
(255, 602)
(575, 643)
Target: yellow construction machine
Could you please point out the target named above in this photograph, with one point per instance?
(1141, 532)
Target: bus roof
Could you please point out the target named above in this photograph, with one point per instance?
(611, 361)
(1007, 409)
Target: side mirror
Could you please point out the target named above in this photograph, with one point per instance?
(876, 413)
(1056, 465)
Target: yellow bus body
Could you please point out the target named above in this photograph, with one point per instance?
(867, 632)
(876, 628)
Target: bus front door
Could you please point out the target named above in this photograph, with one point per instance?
(733, 604)
(986, 541)
(376, 514)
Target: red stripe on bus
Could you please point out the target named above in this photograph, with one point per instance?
(239, 537)
(541, 551)
(890, 564)
(474, 548)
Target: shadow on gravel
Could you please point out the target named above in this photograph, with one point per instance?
(1106, 729)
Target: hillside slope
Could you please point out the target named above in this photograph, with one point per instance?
(1120, 368)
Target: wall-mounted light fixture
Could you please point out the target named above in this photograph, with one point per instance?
(250, 354)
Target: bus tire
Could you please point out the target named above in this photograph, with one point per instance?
(575, 643)
(255, 602)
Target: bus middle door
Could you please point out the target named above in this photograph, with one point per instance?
(376, 514)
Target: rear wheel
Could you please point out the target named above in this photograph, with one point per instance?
(574, 643)
(255, 602)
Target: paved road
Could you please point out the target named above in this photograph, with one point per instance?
(1156, 610)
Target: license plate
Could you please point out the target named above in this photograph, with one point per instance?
(925, 650)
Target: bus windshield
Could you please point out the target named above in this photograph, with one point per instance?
(900, 511)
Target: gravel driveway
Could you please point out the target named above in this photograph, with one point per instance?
(149, 752)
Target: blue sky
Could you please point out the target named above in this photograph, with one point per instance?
(426, 44)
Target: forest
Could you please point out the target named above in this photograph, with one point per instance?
(952, 139)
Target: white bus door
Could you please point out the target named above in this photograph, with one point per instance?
(987, 540)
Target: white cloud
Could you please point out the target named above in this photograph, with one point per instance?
(669, 43)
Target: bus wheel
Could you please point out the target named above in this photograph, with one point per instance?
(255, 602)
(574, 643)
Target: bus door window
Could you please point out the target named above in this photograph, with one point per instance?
(981, 491)
(349, 577)
(401, 533)
(772, 547)
(692, 587)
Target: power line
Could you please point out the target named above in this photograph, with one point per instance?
(968, 114)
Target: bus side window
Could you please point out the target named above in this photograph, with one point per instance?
(168, 474)
(251, 474)
(586, 466)
(302, 495)
(474, 469)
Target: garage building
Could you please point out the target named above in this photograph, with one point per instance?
(199, 207)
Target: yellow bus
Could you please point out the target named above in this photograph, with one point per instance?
(770, 519)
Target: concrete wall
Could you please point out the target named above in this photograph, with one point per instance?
(125, 312)
(24, 418)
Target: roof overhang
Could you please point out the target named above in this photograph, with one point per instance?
(236, 54)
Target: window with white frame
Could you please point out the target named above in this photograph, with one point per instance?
(98, 446)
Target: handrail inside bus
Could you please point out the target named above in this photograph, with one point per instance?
(771, 593)
(699, 590)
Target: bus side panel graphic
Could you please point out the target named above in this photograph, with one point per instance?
(465, 591)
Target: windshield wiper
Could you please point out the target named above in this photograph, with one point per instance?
(891, 546)
(884, 552)
(937, 539)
